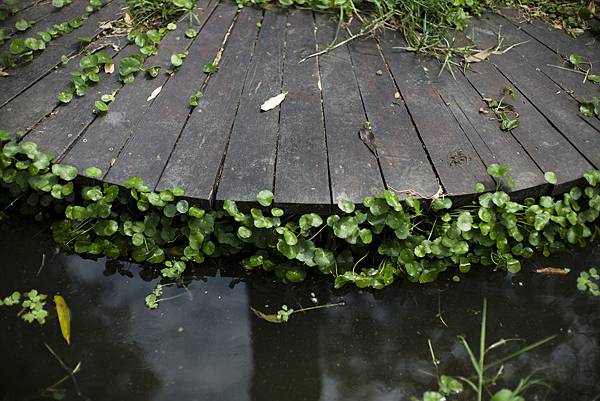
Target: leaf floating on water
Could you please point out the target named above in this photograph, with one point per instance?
(553, 270)
(480, 56)
(273, 102)
(64, 317)
(154, 93)
(269, 318)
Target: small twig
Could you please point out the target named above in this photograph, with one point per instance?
(567, 69)
(71, 372)
(41, 264)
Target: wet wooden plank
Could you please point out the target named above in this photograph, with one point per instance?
(491, 144)
(43, 63)
(550, 150)
(36, 14)
(147, 150)
(403, 159)
(105, 137)
(585, 45)
(51, 134)
(535, 55)
(29, 107)
(456, 162)
(195, 161)
(556, 105)
(301, 174)
(354, 170)
(249, 164)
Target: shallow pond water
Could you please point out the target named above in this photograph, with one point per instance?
(206, 344)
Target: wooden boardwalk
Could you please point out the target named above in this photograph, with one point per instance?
(429, 129)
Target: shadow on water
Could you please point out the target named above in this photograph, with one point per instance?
(207, 345)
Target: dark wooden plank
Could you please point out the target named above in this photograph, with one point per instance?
(556, 105)
(354, 170)
(585, 45)
(31, 105)
(301, 173)
(456, 162)
(24, 76)
(492, 145)
(403, 159)
(147, 150)
(57, 133)
(36, 14)
(197, 157)
(105, 137)
(550, 150)
(534, 54)
(249, 164)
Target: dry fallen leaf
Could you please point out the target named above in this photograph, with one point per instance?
(127, 18)
(397, 95)
(273, 102)
(109, 68)
(3, 73)
(154, 93)
(366, 135)
(479, 56)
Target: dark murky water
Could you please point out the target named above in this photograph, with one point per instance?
(207, 345)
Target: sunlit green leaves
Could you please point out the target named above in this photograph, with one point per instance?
(265, 198)
(177, 59)
(550, 177)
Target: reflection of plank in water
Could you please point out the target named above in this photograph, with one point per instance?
(289, 367)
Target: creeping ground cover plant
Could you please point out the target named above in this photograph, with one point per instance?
(372, 244)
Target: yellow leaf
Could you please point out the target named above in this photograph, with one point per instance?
(64, 317)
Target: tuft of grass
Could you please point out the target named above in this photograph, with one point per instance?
(158, 13)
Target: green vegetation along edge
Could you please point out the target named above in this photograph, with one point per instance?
(373, 245)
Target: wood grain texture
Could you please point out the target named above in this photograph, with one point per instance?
(404, 162)
(354, 170)
(427, 129)
(456, 162)
(249, 164)
(101, 142)
(50, 134)
(152, 140)
(197, 157)
(301, 174)
(43, 63)
(550, 150)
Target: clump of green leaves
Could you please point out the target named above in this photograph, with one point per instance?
(22, 50)
(89, 73)
(177, 59)
(588, 282)
(195, 98)
(32, 305)
(210, 68)
(508, 118)
(61, 3)
(372, 244)
(589, 108)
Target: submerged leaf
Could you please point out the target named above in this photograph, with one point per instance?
(273, 318)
